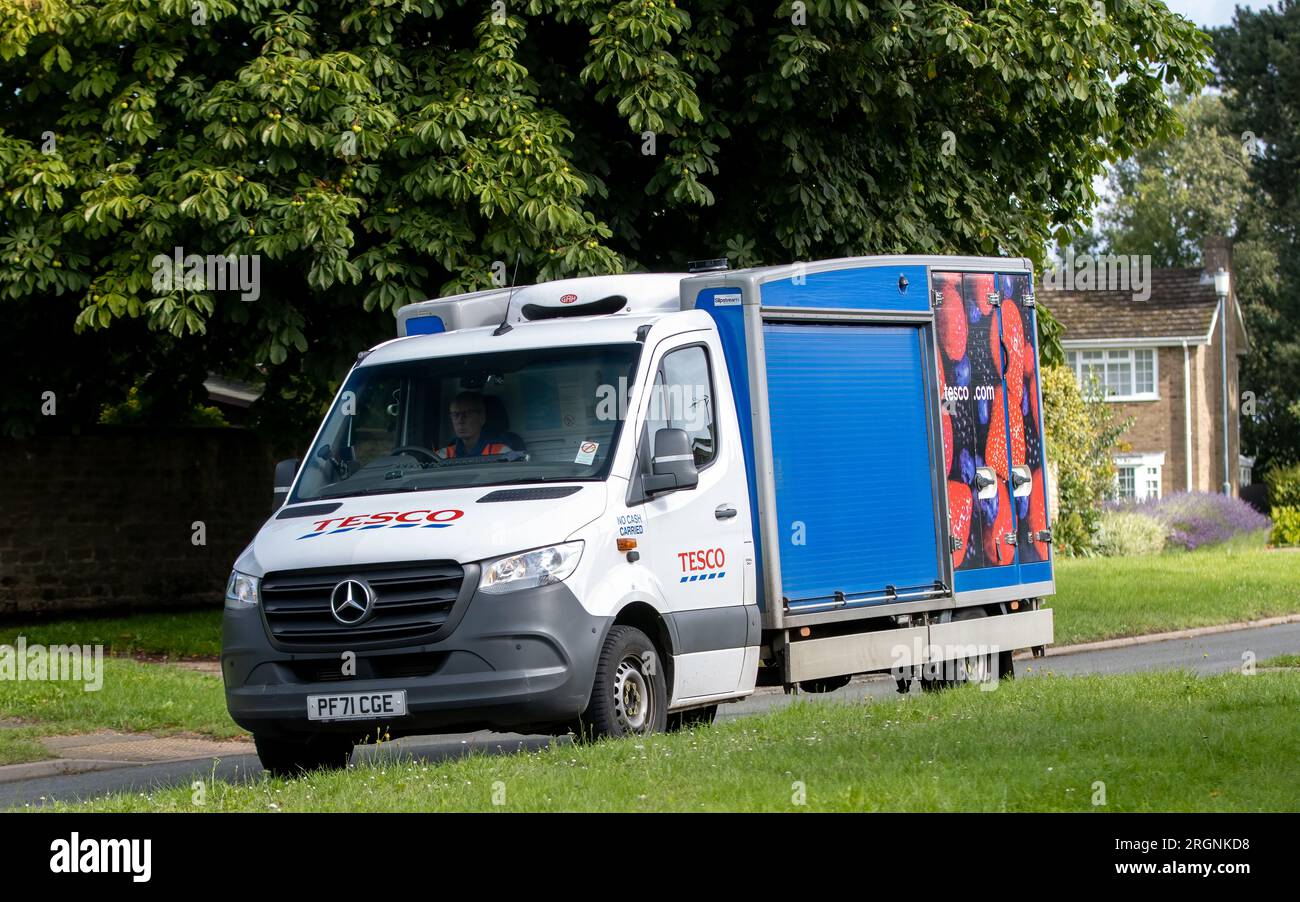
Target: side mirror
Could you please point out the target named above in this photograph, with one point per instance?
(285, 471)
(673, 464)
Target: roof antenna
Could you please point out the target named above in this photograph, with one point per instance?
(505, 320)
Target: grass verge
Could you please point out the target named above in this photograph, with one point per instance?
(178, 634)
(135, 698)
(1106, 598)
(1159, 742)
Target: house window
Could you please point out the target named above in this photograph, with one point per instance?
(1137, 476)
(1125, 374)
(1127, 483)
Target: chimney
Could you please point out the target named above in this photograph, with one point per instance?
(1216, 251)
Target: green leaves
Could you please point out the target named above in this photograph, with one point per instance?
(376, 153)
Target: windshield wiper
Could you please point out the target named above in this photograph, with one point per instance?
(388, 489)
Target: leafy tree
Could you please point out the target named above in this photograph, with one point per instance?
(1259, 66)
(373, 153)
(1200, 182)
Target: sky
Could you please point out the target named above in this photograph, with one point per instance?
(1210, 13)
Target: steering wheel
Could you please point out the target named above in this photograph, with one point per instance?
(418, 452)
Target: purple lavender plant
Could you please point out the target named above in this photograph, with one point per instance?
(1197, 519)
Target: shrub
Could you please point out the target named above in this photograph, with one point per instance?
(1197, 519)
(1080, 434)
(1286, 526)
(1126, 533)
(1283, 486)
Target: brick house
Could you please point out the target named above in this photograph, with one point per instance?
(1159, 362)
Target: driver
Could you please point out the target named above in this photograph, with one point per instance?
(468, 416)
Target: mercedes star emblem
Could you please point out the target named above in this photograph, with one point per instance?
(350, 602)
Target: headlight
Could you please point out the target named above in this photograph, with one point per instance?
(530, 569)
(241, 591)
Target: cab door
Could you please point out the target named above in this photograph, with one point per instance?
(697, 541)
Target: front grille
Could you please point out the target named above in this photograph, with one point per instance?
(412, 602)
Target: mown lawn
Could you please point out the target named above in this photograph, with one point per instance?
(1105, 598)
(135, 697)
(1158, 742)
(175, 634)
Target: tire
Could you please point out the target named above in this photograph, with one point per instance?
(1007, 665)
(285, 757)
(977, 668)
(826, 684)
(695, 717)
(629, 696)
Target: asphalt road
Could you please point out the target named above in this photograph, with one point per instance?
(1215, 653)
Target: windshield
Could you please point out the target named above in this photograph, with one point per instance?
(538, 415)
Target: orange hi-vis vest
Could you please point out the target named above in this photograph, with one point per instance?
(489, 448)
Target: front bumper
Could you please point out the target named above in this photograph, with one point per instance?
(523, 661)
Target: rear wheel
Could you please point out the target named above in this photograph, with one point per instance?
(978, 667)
(291, 757)
(826, 684)
(629, 696)
(975, 668)
(695, 717)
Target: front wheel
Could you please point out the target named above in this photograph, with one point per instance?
(629, 696)
(291, 757)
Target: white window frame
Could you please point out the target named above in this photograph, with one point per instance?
(1141, 464)
(1117, 355)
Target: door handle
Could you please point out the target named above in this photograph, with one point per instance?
(1022, 481)
(724, 512)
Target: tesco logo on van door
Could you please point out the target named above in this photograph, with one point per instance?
(698, 566)
(425, 519)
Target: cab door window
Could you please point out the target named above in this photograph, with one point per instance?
(682, 398)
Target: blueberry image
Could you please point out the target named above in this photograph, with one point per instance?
(984, 412)
(989, 509)
(961, 372)
(973, 314)
(1024, 402)
(967, 464)
(1022, 506)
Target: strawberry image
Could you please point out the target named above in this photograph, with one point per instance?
(947, 442)
(1037, 515)
(1027, 359)
(1013, 339)
(952, 319)
(996, 550)
(980, 287)
(1031, 396)
(959, 511)
(995, 446)
(1017, 437)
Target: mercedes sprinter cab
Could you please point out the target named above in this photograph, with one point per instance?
(605, 505)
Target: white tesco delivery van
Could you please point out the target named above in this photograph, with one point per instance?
(608, 504)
